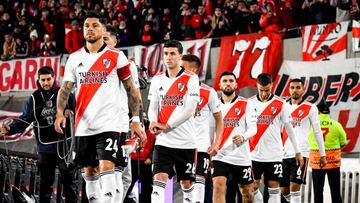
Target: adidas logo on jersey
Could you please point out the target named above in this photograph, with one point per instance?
(161, 89)
(109, 194)
(114, 155)
(155, 193)
(80, 65)
(187, 200)
(92, 199)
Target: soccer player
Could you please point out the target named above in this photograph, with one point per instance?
(123, 167)
(99, 117)
(304, 115)
(233, 157)
(266, 146)
(209, 105)
(173, 96)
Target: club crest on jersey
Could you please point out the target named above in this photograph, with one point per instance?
(181, 86)
(237, 111)
(106, 63)
(273, 110)
(201, 100)
(301, 112)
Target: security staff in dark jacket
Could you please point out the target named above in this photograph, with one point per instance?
(40, 108)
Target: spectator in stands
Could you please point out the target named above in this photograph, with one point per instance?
(335, 140)
(170, 32)
(342, 9)
(153, 17)
(322, 12)
(74, 39)
(220, 24)
(21, 48)
(254, 17)
(241, 16)
(47, 47)
(147, 35)
(125, 37)
(40, 107)
(6, 25)
(287, 13)
(8, 48)
(47, 24)
(17, 33)
(270, 20)
(200, 22)
(35, 43)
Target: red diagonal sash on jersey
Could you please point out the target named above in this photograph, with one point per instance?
(299, 113)
(204, 98)
(232, 113)
(87, 91)
(179, 87)
(262, 127)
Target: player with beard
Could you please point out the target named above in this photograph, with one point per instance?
(266, 146)
(99, 117)
(304, 115)
(233, 157)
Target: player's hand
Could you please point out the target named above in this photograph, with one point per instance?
(299, 160)
(4, 129)
(154, 129)
(137, 129)
(147, 161)
(212, 150)
(238, 139)
(60, 122)
(323, 162)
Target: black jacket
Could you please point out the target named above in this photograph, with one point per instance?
(40, 108)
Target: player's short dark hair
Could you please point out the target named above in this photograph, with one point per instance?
(297, 80)
(227, 73)
(323, 108)
(45, 70)
(264, 79)
(111, 29)
(95, 15)
(192, 58)
(174, 43)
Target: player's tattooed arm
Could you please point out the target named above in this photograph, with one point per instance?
(63, 95)
(135, 102)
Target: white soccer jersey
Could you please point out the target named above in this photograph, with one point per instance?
(208, 105)
(238, 120)
(304, 115)
(266, 145)
(171, 94)
(99, 101)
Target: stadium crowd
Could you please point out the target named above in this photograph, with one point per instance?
(30, 28)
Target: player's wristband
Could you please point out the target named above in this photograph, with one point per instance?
(135, 119)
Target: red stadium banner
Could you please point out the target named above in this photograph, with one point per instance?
(151, 56)
(325, 81)
(356, 35)
(21, 74)
(324, 41)
(249, 55)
